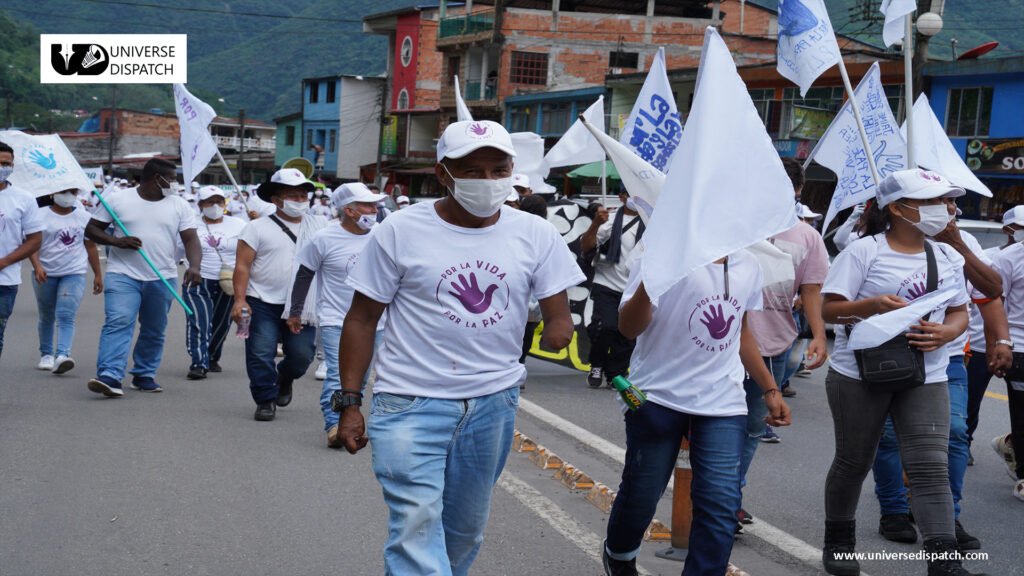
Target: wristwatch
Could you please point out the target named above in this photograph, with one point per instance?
(342, 399)
(1008, 343)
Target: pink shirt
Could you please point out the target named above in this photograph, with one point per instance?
(774, 326)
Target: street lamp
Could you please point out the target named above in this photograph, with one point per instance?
(928, 24)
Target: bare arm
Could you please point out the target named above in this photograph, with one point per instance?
(94, 263)
(839, 310)
(635, 315)
(96, 231)
(981, 275)
(558, 327)
(194, 253)
(29, 247)
(244, 257)
(355, 354)
(588, 241)
(817, 351)
(750, 355)
(999, 356)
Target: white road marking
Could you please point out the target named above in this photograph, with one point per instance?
(581, 536)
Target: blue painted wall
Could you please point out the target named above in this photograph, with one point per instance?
(1007, 102)
(321, 118)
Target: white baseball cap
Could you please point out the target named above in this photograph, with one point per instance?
(195, 185)
(806, 212)
(463, 138)
(353, 192)
(520, 180)
(401, 199)
(916, 184)
(207, 192)
(285, 177)
(1014, 215)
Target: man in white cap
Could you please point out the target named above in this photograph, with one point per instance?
(402, 201)
(264, 267)
(21, 235)
(448, 373)
(329, 256)
(521, 184)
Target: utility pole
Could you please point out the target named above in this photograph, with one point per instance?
(380, 138)
(241, 145)
(113, 129)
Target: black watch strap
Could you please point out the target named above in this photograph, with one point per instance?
(342, 399)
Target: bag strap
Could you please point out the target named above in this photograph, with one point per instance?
(932, 280)
(284, 228)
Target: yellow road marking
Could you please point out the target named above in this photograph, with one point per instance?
(1002, 397)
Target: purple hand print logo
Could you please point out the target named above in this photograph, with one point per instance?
(714, 320)
(478, 130)
(213, 241)
(469, 295)
(931, 176)
(917, 290)
(67, 237)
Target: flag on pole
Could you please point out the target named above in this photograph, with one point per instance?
(654, 127)
(934, 151)
(197, 145)
(841, 151)
(577, 146)
(727, 188)
(807, 42)
(895, 12)
(529, 160)
(43, 164)
(461, 110)
(642, 181)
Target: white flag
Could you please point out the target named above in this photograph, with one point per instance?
(934, 151)
(577, 146)
(530, 159)
(841, 151)
(807, 42)
(197, 146)
(642, 181)
(43, 164)
(727, 188)
(461, 110)
(881, 328)
(896, 12)
(654, 127)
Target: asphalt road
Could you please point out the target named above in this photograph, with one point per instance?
(185, 482)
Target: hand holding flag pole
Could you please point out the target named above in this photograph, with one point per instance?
(142, 252)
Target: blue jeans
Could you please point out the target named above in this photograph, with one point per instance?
(330, 340)
(58, 300)
(756, 411)
(126, 300)
(653, 435)
(7, 295)
(437, 462)
(888, 467)
(207, 327)
(266, 329)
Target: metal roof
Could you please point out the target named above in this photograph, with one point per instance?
(675, 8)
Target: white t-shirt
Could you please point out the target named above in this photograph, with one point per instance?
(615, 275)
(866, 269)
(19, 217)
(332, 253)
(219, 240)
(458, 298)
(976, 327)
(956, 347)
(1010, 265)
(158, 224)
(271, 273)
(63, 250)
(688, 358)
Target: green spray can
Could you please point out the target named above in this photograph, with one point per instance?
(631, 395)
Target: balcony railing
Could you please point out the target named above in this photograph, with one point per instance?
(467, 25)
(233, 143)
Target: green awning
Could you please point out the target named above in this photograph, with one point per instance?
(593, 170)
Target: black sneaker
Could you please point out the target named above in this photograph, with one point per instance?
(265, 412)
(146, 384)
(107, 386)
(965, 541)
(897, 528)
(196, 373)
(215, 367)
(613, 567)
(596, 377)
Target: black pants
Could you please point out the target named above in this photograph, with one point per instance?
(609, 349)
(1016, 398)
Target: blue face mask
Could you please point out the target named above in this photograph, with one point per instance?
(5, 172)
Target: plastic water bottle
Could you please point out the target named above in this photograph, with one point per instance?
(243, 325)
(631, 395)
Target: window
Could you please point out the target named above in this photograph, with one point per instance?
(289, 135)
(403, 99)
(314, 92)
(454, 65)
(309, 139)
(332, 90)
(969, 112)
(623, 59)
(522, 119)
(894, 94)
(321, 136)
(555, 118)
(529, 68)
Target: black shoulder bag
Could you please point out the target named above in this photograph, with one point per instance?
(896, 365)
(284, 228)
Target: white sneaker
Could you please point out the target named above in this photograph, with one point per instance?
(1003, 446)
(45, 363)
(63, 364)
(321, 371)
(1018, 490)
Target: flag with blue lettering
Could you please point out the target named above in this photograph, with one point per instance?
(197, 145)
(654, 127)
(43, 164)
(896, 12)
(841, 151)
(807, 42)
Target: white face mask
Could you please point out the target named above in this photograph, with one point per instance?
(65, 199)
(1018, 235)
(631, 204)
(366, 221)
(481, 197)
(294, 209)
(168, 188)
(933, 218)
(215, 212)
(5, 172)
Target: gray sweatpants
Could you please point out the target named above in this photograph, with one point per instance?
(921, 419)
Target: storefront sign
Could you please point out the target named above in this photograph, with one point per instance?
(810, 123)
(794, 148)
(389, 138)
(996, 155)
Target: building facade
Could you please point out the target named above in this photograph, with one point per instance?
(341, 124)
(289, 138)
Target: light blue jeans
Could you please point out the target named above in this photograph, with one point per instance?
(126, 300)
(437, 462)
(58, 299)
(330, 341)
(756, 410)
